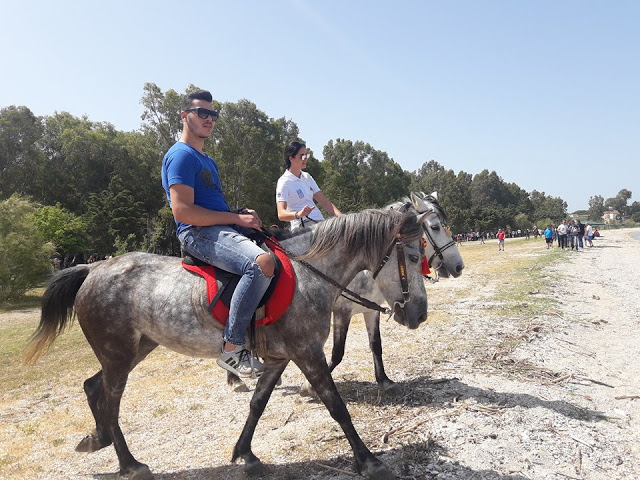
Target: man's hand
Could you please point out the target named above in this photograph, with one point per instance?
(249, 219)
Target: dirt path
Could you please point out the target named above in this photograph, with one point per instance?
(486, 394)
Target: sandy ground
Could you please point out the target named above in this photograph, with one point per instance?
(549, 396)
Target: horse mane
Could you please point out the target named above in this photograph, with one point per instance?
(366, 233)
(434, 202)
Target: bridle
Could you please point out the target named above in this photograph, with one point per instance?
(402, 265)
(349, 294)
(437, 250)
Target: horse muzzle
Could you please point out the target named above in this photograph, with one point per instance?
(403, 315)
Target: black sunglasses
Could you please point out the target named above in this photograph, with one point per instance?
(204, 112)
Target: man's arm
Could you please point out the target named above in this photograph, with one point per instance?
(186, 211)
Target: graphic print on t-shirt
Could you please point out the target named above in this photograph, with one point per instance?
(300, 193)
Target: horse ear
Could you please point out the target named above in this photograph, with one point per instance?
(418, 203)
(434, 195)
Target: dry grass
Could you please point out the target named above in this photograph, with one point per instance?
(45, 412)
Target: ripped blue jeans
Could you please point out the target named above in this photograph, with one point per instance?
(226, 248)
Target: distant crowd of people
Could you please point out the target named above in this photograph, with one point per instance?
(569, 234)
(61, 262)
(573, 233)
(482, 236)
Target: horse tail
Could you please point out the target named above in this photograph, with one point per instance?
(57, 311)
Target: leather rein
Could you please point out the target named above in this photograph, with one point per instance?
(349, 294)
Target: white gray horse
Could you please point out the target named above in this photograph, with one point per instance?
(443, 257)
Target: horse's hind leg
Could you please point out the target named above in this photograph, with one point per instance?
(261, 395)
(372, 321)
(100, 438)
(315, 368)
(116, 366)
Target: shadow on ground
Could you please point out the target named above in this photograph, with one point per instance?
(411, 461)
(446, 392)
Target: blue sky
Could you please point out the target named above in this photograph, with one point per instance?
(546, 93)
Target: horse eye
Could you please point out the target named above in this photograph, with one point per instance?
(435, 227)
(414, 258)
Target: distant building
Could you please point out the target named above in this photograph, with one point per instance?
(610, 216)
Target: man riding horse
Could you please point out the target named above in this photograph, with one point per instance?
(209, 231)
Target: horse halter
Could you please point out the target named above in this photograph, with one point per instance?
(436, 249)
(402, 265)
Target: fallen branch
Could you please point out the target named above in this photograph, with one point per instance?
(580, 441)
(623, 397)
(596, 381)
(403, 429)
(562, 378)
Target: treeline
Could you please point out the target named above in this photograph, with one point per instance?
(98, 190)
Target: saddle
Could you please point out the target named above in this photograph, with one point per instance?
(221, 284)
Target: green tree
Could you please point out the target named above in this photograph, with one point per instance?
(619, 202)
(357, 176)
(24, 254)
(161, 115)
(545, 206)
(521, 222)
(20, 159)
(596, 207)
(248, 147)
(62, 228)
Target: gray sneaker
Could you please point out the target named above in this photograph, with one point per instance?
(241, 362)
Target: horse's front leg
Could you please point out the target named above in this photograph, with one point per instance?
(341, 321)
(314, 366)
(261, 395)
(372, 321)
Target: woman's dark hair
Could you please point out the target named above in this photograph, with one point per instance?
(188, 99)
(291, 150)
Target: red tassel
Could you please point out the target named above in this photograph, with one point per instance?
(425, 266)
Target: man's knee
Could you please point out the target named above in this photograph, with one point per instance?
(266, 264)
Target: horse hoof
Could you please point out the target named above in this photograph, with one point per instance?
(391, 388)
(379, 471)
(140, 473)
(90, 444)
(307, 391)
(240, 387)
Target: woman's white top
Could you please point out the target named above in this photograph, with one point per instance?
(298, 193)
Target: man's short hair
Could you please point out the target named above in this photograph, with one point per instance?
(187, 100)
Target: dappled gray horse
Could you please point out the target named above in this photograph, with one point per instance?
(129, 305)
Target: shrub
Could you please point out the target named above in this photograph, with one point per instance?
(25, 257)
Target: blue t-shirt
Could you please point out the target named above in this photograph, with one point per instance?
(185, 165)
(548, 233)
